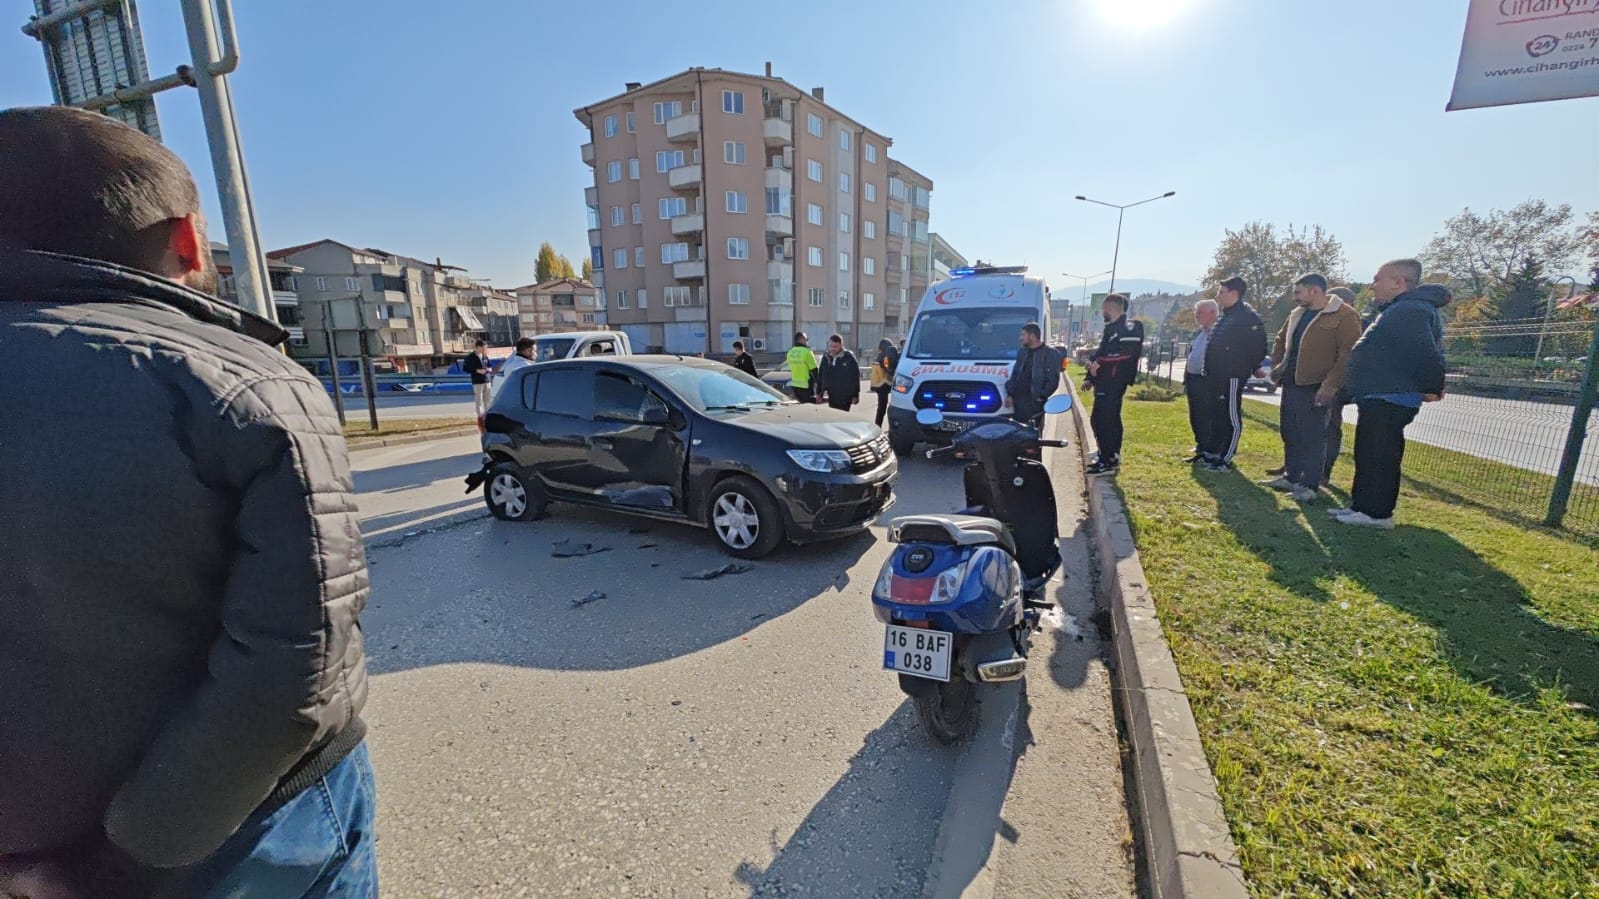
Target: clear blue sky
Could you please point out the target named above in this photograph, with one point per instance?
(445, 129)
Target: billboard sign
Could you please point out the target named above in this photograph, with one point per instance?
(93, 49)
(1527, 51)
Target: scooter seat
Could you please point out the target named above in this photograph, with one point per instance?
(954, 530)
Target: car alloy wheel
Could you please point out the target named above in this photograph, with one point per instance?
(506, 492)
(737, 523)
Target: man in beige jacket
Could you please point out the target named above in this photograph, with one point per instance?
(1309, 360)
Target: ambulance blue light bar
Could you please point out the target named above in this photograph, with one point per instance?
(988, 270)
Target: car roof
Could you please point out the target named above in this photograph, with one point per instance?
(580, 334)
(645, 362)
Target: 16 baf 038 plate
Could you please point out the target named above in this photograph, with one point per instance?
(918, 652)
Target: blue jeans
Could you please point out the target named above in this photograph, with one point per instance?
(317, 846)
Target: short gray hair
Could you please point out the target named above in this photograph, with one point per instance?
(1409, 269)
(1207, 302)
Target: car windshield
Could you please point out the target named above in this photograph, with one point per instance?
(988, 334)
(717, 389)
(553, 348)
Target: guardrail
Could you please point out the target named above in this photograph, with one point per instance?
(423, 385)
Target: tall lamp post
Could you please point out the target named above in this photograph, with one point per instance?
(1121, 211)
(1085, 279)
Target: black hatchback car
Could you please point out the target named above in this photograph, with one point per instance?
(687, 440)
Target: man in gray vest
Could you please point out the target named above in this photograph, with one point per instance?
(1205, 312)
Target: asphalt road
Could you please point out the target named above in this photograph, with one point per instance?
(1515, 432)
(684, 738)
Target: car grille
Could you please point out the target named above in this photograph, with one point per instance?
(869, 455)
(958, 396)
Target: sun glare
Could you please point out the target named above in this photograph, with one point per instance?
(1140, 14)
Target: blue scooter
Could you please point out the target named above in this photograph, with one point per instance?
(962, 594)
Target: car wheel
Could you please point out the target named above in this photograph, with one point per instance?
(902, 446)
(744, 518)
(512, 495)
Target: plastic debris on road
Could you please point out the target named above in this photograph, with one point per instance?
(712, 574)
(596, 596)
(566, 549)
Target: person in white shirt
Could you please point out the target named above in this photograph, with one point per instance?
(522, 358)
(1205, 312)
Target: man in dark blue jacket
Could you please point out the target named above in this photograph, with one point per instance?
(1112, 369)
(1237, 346)
(1397, 365)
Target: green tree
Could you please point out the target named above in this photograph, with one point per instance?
(548, 265)
(1523, 299)
(1270, 261)
(565, 269)
(1482, 253)
(588, 269)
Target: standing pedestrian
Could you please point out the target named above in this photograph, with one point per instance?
(521, 357)
(1205, 313)
(743, 361)
(883, 368)
(801, 368)
(1034, 378)
(1236, 346)
(476, 365)
(1340, 400)
(838, 380)
(1309, 360)
(1112, 368)
(1397, 365)
(181, 681)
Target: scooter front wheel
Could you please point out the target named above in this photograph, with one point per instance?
(949, 713)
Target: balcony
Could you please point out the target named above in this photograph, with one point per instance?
(691, 270)
(782, 179)
(779, 270)
(595, 240)
(779, 225)
(686, 177)
(778, 132)
(591, 197)
(588, 155)
(693, 223)
(285, 298)
(684, 128)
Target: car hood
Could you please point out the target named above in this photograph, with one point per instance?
(802, 425)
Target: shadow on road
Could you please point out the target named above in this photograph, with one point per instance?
(409, 475)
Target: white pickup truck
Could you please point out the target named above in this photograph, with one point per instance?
(571, 345)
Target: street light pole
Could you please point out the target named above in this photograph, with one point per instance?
(1121, 210)
(1548, 312)
(1085, 279)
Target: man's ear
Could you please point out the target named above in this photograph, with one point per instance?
(186, 245)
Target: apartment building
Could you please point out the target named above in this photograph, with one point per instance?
(945, 258)
(561, 304)
(909, 237)
(496, 311)
(282, 278)
(730, 206)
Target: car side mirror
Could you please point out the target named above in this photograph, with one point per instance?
(657, 416)
(1060, 402)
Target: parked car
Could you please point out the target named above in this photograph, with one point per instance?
(1266, 384)
(616, 433)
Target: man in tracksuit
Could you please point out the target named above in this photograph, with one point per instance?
(1112, 369)
(1237, 346)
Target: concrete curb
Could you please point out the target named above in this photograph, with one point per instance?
(406, 439)
(1187, 849)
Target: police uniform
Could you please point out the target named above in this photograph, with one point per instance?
(1120, 348)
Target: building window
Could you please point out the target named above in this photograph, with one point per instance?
(870, 228)
(778, 201)
(896, 189)
(733, 102)
(843, 138)
(322, 284)
(613, 170)
(736, 202)
(621, 258)
(869, 190)
(610, 126)
(868, 301)
(664, 111)
(632, 124)
(813, 124)
(638, 257)
(815, 256)
(594, 218)
(738, 294)
(814, 297)
(869, 147)
(643, 298)
(903, 295)
(868, 267)
(813, 213)
(923, 198)
(599, 301)
(733, 152)
(674, 252)
(616, 216)
(843, 182)
(843, 222)
(666, 160)
(896, 224)
(638, 214)
(671, 206)
(843, 262)
(782, 292)
(621, 299)
(813, 170)
(843, 299)
(738, 248)
(352, 284)
(632, 168)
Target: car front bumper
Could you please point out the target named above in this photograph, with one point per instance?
(818, 505)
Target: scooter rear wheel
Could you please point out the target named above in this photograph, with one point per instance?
(950, 713)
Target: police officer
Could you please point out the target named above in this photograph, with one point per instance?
(1111, 370)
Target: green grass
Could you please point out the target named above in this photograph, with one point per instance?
(358, 428)
(1404, 713)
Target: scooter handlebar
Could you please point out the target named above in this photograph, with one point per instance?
(1054, 443)
(940, 451)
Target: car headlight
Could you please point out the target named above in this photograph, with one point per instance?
(902, 384)
(820, 460)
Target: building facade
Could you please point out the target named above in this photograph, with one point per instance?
(945, 258)
(561, 304)
(284, 283)
(728, 206)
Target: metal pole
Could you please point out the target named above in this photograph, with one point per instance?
(367, 384)
(1116, 257)
(1548, 312)
(1576, 436)
(333, 363)
(227, 159)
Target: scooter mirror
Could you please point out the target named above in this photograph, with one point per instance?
(929, 417)
(1060, 402)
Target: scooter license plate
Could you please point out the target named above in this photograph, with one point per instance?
(918, 652)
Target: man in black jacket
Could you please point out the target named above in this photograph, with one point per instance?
(181, 676)
(1112, 368)
(1397, 365)
(476, 365)
(1035, 377)
(743, 361)
(838, 380)
(1237, 349)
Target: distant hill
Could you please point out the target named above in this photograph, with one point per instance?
(1133, 287)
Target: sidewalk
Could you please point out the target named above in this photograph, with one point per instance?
(405, 489)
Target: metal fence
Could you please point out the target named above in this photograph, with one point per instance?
(1503, 438)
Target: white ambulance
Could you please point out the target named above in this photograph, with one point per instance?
(960, 350)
